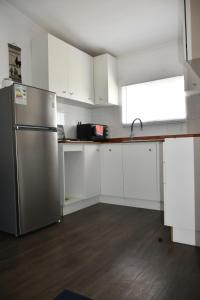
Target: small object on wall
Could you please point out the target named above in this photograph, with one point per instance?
(7, 82)
(14, 63)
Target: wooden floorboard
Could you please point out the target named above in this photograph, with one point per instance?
(104, 252)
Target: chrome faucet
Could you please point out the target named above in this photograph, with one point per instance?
(132, 125)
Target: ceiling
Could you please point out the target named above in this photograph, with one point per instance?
(114, 26)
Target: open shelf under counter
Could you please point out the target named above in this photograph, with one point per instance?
(75, 204)
(72, 200)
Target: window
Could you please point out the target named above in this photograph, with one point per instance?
(154, 101)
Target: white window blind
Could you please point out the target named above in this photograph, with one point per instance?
(154, 101)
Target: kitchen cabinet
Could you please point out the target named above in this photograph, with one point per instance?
(111, 170)
(181, 189)
(62, 68)
(83, 172)
(192, 46)
(57, 66)
(132, 171)
(79, 168)
(140, 171)
(122, 173)
(105, 80)
(80, 75)
(192, 25)
(92, 170)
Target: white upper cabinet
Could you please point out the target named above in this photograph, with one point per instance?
(105, 80)
(80, 64)
(58, 66)
(62, 68)
(192, 26)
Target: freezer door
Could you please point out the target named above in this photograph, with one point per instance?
(37, 171)
(34, 106)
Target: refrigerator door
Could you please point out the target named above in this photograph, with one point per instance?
(34, 106)
(37, 171)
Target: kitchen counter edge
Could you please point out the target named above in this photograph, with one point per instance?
(152, 138)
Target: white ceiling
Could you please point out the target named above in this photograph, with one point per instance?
(114, 26)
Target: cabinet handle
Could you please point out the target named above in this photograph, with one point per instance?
(101, 99)
(150, 149)
(71, 93)
(97, 150)
(64, 92)
(110, 150)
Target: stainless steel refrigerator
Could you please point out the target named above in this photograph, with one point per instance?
(29, 196)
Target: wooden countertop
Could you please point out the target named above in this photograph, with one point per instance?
(153, 138)
(159, 138)
(78, 142)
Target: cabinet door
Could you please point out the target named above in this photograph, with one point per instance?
(179, 187)
(192, 11)
(140, 171)
(101, 79)
(58, 68)
(80, 75)
(92, 170)
(111, 170)
(88, 79)
(105, 80)
(113, 92)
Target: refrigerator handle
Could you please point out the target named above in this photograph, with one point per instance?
(34, 128)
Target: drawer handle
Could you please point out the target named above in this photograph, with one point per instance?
(64, 92)
(71, 93)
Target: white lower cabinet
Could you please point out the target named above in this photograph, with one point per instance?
(79, 166)
(91, 170)
(111, 170)
(179, 189)
(182, 189)
(132, 172)
(82, 173)
(125, 174)
(140, 171)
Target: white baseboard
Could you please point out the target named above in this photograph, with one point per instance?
(185, 236)
(83, 203)
(78, 205)
(148, 204)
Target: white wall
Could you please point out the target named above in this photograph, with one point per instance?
(112, 117)
(159, 62)
(69, 115)
(16, 28)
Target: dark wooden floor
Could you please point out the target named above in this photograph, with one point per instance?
(104, 252)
